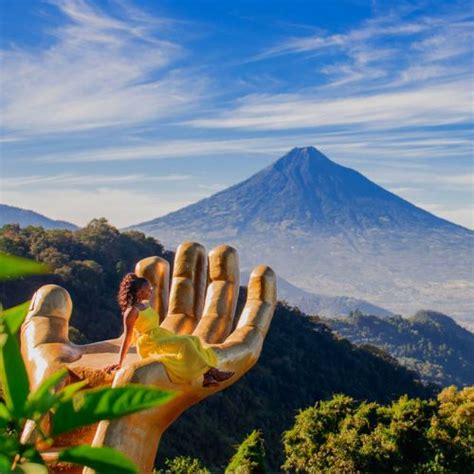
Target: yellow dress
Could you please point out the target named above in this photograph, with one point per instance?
(184, 357)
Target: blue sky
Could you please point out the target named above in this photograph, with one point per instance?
(132, 109)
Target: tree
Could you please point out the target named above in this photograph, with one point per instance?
(250, 456)
(410, 435)
(184, 465)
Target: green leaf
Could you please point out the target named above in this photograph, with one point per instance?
(5, 463)
(32, 454)
(9, 446)
(15, 316)
(44, 398)
(14, 267)
(13, 374)
(31, 468)
(69, 390)
(104, 403)
(99, 459)
(5, 415)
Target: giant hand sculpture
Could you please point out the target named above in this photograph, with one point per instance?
(202, 301)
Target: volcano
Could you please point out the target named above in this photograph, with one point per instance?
(329, 230)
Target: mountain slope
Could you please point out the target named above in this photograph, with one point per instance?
(301, 362)
(322, 305)
(329, 230)
(24, 217)
(429, 342)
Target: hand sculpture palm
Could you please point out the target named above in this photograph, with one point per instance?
(202, 301)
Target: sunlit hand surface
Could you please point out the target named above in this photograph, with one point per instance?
(201, 300)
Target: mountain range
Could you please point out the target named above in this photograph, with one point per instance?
(24, 217)
(429, 343)
(322, 305)
(329, 230)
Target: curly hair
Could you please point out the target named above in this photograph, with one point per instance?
(128, 290)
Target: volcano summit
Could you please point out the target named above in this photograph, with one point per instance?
(329, 230)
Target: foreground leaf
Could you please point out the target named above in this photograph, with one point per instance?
(14, 316)
(70, 390)
(44, 398)
(104, 403)
(5, 463)
(31, 468)
(14, 267)
(5, 415)
(100, 459)
(13, 374)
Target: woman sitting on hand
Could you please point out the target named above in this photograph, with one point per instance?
(183, 356)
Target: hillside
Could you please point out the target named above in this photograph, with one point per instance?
(24, 217)
(328, 230)
(301, 361)
(429, 342)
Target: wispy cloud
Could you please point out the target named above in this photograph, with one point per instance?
(167, 149)
(66, 180)
(422, 106)
(398, 49)
(100, 70)
(357, 147)
(369, 30)
(389, 72)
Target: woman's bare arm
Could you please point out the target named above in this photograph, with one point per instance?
(129, 318)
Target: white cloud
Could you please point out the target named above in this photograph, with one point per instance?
(387, 51)
(66, 180)
(368, 148)
(168, 149)
(436, 105)
(370, 30)
(99, 71)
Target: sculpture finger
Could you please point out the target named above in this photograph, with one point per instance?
(44, 336)
(188, 288)
(222, 293)
(157, 271)
(242, 348)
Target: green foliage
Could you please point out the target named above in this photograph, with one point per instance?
(183, 465)
(14, 267)
(250, 456)
(13, 374)
(100, 459)
(103, 403)
(429, 343)
(69, 407)
(410, 435)
(88, 262)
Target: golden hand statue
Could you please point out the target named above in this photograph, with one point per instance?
(201, 301)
